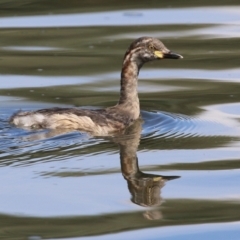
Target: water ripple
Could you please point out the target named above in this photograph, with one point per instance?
(20, 144)
(169, 125)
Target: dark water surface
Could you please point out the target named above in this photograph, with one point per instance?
(174, 174)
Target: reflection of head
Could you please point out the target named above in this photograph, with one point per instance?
(145, 191)
(146, 188)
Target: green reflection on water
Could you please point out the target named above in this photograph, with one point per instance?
(84, 51)
(175, 212)
(60, 6)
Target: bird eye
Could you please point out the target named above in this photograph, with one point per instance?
(151, 47)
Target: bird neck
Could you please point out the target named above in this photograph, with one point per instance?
(129, 83)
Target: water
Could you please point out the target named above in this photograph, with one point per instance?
(174, 174)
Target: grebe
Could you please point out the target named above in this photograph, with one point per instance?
(102, 122)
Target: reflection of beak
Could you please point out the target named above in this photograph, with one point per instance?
(172, 55)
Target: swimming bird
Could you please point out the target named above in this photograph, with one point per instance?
(102, 122)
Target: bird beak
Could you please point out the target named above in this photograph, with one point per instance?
(172, 55)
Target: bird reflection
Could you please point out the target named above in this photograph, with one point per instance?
(145, 188)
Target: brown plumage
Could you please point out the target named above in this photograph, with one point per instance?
(104, 121)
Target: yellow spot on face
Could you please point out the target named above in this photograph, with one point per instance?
(159, 54)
